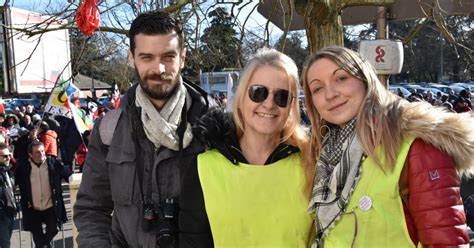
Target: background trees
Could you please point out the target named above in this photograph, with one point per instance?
(293, 47)
(219, 36)
(219, 43)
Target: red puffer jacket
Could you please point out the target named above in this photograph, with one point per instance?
(429, 186)
(49, 139)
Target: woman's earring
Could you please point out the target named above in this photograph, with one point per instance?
(322, 129)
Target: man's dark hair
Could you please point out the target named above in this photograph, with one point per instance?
(44, 126)
(33, 144)
(3, 146)
(155, 23)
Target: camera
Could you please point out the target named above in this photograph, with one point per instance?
(164, 220)
(165, 236)
(167, 225)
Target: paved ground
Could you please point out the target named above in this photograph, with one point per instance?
(23, 239)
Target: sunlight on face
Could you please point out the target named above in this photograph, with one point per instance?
(266, 118)
(336, 94)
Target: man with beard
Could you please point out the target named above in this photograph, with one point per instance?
(139, 153)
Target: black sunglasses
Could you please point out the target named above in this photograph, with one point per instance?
(258, 93)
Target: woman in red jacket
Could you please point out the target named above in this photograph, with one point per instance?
(387, 169)
(49, 138)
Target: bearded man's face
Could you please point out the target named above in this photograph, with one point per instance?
(158, 61)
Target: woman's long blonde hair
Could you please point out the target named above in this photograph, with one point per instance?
(378, 119)
(293, 132)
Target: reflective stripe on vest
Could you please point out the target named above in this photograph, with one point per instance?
(255, 206)
(382, 224)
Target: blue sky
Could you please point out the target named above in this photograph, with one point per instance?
(256, 22)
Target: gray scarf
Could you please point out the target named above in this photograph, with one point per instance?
(338, 171)
(160, 127)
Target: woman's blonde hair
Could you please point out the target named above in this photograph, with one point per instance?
(378, 119)
(293, 133)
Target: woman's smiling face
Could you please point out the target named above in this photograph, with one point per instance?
(335, 93)
(266, 118)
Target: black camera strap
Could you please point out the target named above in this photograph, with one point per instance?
(138, 134)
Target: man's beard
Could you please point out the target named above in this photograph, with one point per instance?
(159, 91)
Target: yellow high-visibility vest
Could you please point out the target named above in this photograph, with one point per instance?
(255, 206)
(374, 216)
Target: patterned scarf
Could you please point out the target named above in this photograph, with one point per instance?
(338, 171)
(160, 127)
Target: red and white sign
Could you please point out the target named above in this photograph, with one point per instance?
(385, 55)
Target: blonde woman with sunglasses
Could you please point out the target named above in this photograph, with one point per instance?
(248, 188)
(387, 169)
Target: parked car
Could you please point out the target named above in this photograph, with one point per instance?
(11, 103)
(419, 89)
(444, 88)
(456, 89)
(435, 91)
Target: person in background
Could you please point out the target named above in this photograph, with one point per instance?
(35, 118)
(451, 96)
(387, 169)
(7, 198)
(49, 139)
(248, 189)
(39, 178)
(400, 93)
(16, 111)
(414, 96)
(81, 152)
(12, 125)
(463, 102)
(23, 110)
(26, 122)
(448, 106)
(21, 145)
(30, 110)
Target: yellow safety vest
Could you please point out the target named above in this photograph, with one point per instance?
(255, 206)
(375, 210)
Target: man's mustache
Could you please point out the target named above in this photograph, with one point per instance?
(158, 77)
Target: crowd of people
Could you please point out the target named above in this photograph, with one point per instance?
(172, 168)
(458, 103)
(37, 156)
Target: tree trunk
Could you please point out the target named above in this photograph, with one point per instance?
(323, 21)
(324, 34)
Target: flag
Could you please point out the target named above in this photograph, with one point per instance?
(59, 104)
(115, 97)
(58, 101)
(82, 121)
(93, 107)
